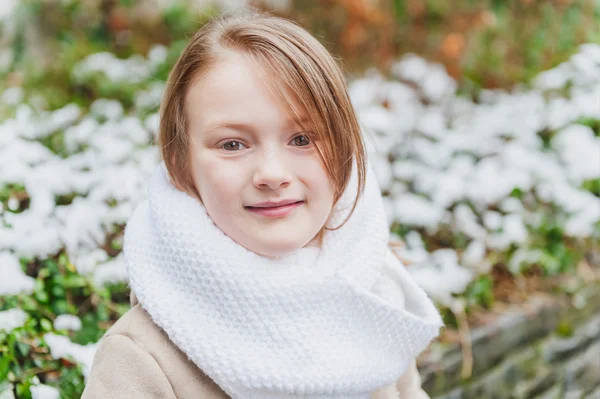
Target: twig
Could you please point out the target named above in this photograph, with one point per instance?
(458, 308)
(397, 245)
(35, 371)
(587, 272)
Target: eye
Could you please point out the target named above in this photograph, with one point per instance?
(232, 145)
(301, 140)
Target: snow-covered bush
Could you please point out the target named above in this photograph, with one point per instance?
(511, 178)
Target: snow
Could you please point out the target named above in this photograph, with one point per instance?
(6, 391)
(14, 281)
(42, 391)
(111, 272)
(133, 70)
(443, 161)
(466, 222)
(150, 98)
(437, 84)
(109, 109)
(523, 257)
(474, 256)
(158, 54)
(414, 210)
(67, 322)
(492, 220)
(579, 150)
(12, 95)
(513, 231)
(11, 319)
(456, 164)
(108, 160)
(442, 276)
(411, 68)
(6, 8)
(61, 347)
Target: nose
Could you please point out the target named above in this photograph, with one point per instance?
(271, 171)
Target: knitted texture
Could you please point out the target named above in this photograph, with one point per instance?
(335, 322)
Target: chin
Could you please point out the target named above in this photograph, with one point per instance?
(277, 248)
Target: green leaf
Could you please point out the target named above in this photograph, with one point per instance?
(23, 390)
(564, 329)
(5, 361)
(23, 348)
(74, 281)
(46, 325)
(593, 186)
(480, 291)
(41, 296)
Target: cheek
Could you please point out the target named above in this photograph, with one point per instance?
(315, 177)
(218, 183)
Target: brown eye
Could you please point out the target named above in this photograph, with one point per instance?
(232, 146)
(301, 141)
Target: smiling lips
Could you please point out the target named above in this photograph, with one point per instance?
(275, 209)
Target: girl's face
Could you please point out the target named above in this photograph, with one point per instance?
(260, 177)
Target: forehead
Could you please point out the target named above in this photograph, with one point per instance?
(233, 92)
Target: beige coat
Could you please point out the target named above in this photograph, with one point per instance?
(136, 359)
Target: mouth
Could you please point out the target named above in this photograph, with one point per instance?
(274, 209)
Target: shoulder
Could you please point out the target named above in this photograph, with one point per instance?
(122, 369)
(136, 328)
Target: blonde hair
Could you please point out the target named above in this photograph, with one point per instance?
(288, 58)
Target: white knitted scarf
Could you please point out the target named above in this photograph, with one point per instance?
(336, 322)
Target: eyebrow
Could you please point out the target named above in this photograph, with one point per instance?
(245, 126)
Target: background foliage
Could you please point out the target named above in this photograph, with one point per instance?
(483, 44)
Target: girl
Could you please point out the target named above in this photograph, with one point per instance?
(260, 260)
